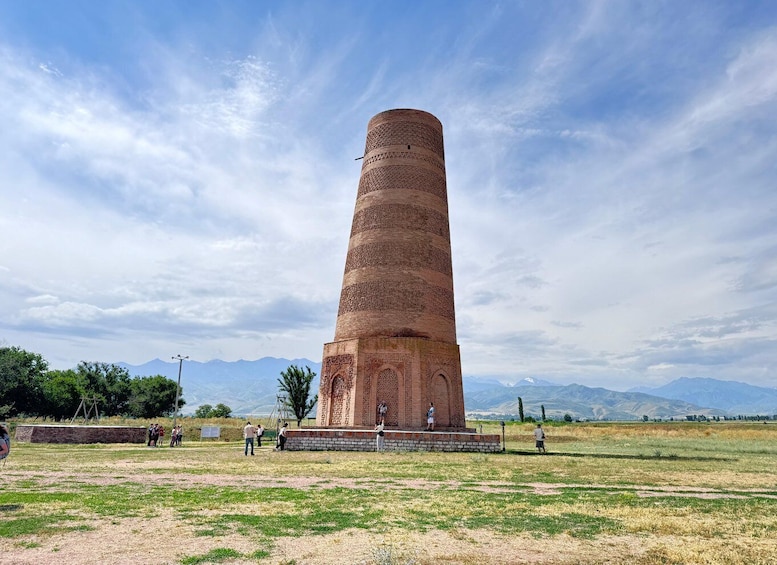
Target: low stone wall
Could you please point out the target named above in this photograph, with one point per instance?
(62, 433)
(320, 439)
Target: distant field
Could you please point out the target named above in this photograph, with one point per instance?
(644, 493)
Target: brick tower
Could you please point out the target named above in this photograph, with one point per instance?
(395, 339)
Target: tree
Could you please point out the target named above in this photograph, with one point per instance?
(21, 381)
(208, 411)
(111, 385)
(62, 393)
(567, 417)
(295, 383)
(543, 411)
(221, 411)
(520, 409)
(152, 397)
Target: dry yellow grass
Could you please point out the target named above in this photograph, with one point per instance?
(608, 493)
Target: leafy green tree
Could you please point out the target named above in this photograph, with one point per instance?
(152, 397)
(21, 381)
(203, 411)
(520, 409)
(543, 411)
(221, 411)
(62, 393)
(567, 417)
(111, 385)
(295, 383)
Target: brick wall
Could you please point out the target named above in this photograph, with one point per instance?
(364, 440)
(41, 433)
(398, 279)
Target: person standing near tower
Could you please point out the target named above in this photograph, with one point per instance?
(379, 436)
(248, 434)
(282, 437)
(382, 411)
(430, 418)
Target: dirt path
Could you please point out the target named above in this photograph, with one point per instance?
(60, 478)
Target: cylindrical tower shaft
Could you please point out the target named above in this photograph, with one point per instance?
(398, 279)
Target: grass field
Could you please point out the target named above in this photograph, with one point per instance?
(644, 493)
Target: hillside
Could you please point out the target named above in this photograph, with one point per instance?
(580, 402)
(731, 396)
(250, 387)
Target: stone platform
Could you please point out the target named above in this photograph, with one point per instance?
(63, 433)
(332, 439)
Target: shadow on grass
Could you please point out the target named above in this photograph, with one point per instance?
(10, 507)
(620, 456)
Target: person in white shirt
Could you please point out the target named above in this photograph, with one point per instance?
(259, 434)
(539, 439)
(379, 436)
(282, 437)
(248, 434)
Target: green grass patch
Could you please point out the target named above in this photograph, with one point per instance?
(217, 555)
(45, 524)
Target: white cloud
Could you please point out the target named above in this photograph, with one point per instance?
(610, 174)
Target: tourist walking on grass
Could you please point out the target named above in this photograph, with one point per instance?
(379, 436)
(174, 437)
(282, 437)
(179, 436)
(539, 439)
(248, 434)
(259, 434)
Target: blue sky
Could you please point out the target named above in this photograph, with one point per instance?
(179, 177)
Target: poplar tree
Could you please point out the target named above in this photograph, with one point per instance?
(295, 383)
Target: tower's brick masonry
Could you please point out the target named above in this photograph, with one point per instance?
(395, 338)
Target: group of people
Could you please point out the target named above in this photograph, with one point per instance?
(380, 425)
(155, 431)
(176, 437)
(253, 434)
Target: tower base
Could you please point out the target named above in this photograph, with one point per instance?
(407, 373)
(312, 439)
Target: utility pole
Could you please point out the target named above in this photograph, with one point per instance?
(178, 388)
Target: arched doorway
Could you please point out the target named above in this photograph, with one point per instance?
(388, 391)
(440, 397)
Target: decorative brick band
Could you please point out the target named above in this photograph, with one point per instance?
(382, 295)
(406, 155)
(403, 177)
(400, 132)
(399, 254)
(407, 217)
(394, 440)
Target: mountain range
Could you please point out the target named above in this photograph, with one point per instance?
(251, 387)
(731, 396)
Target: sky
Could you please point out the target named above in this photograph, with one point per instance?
(180, 177)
